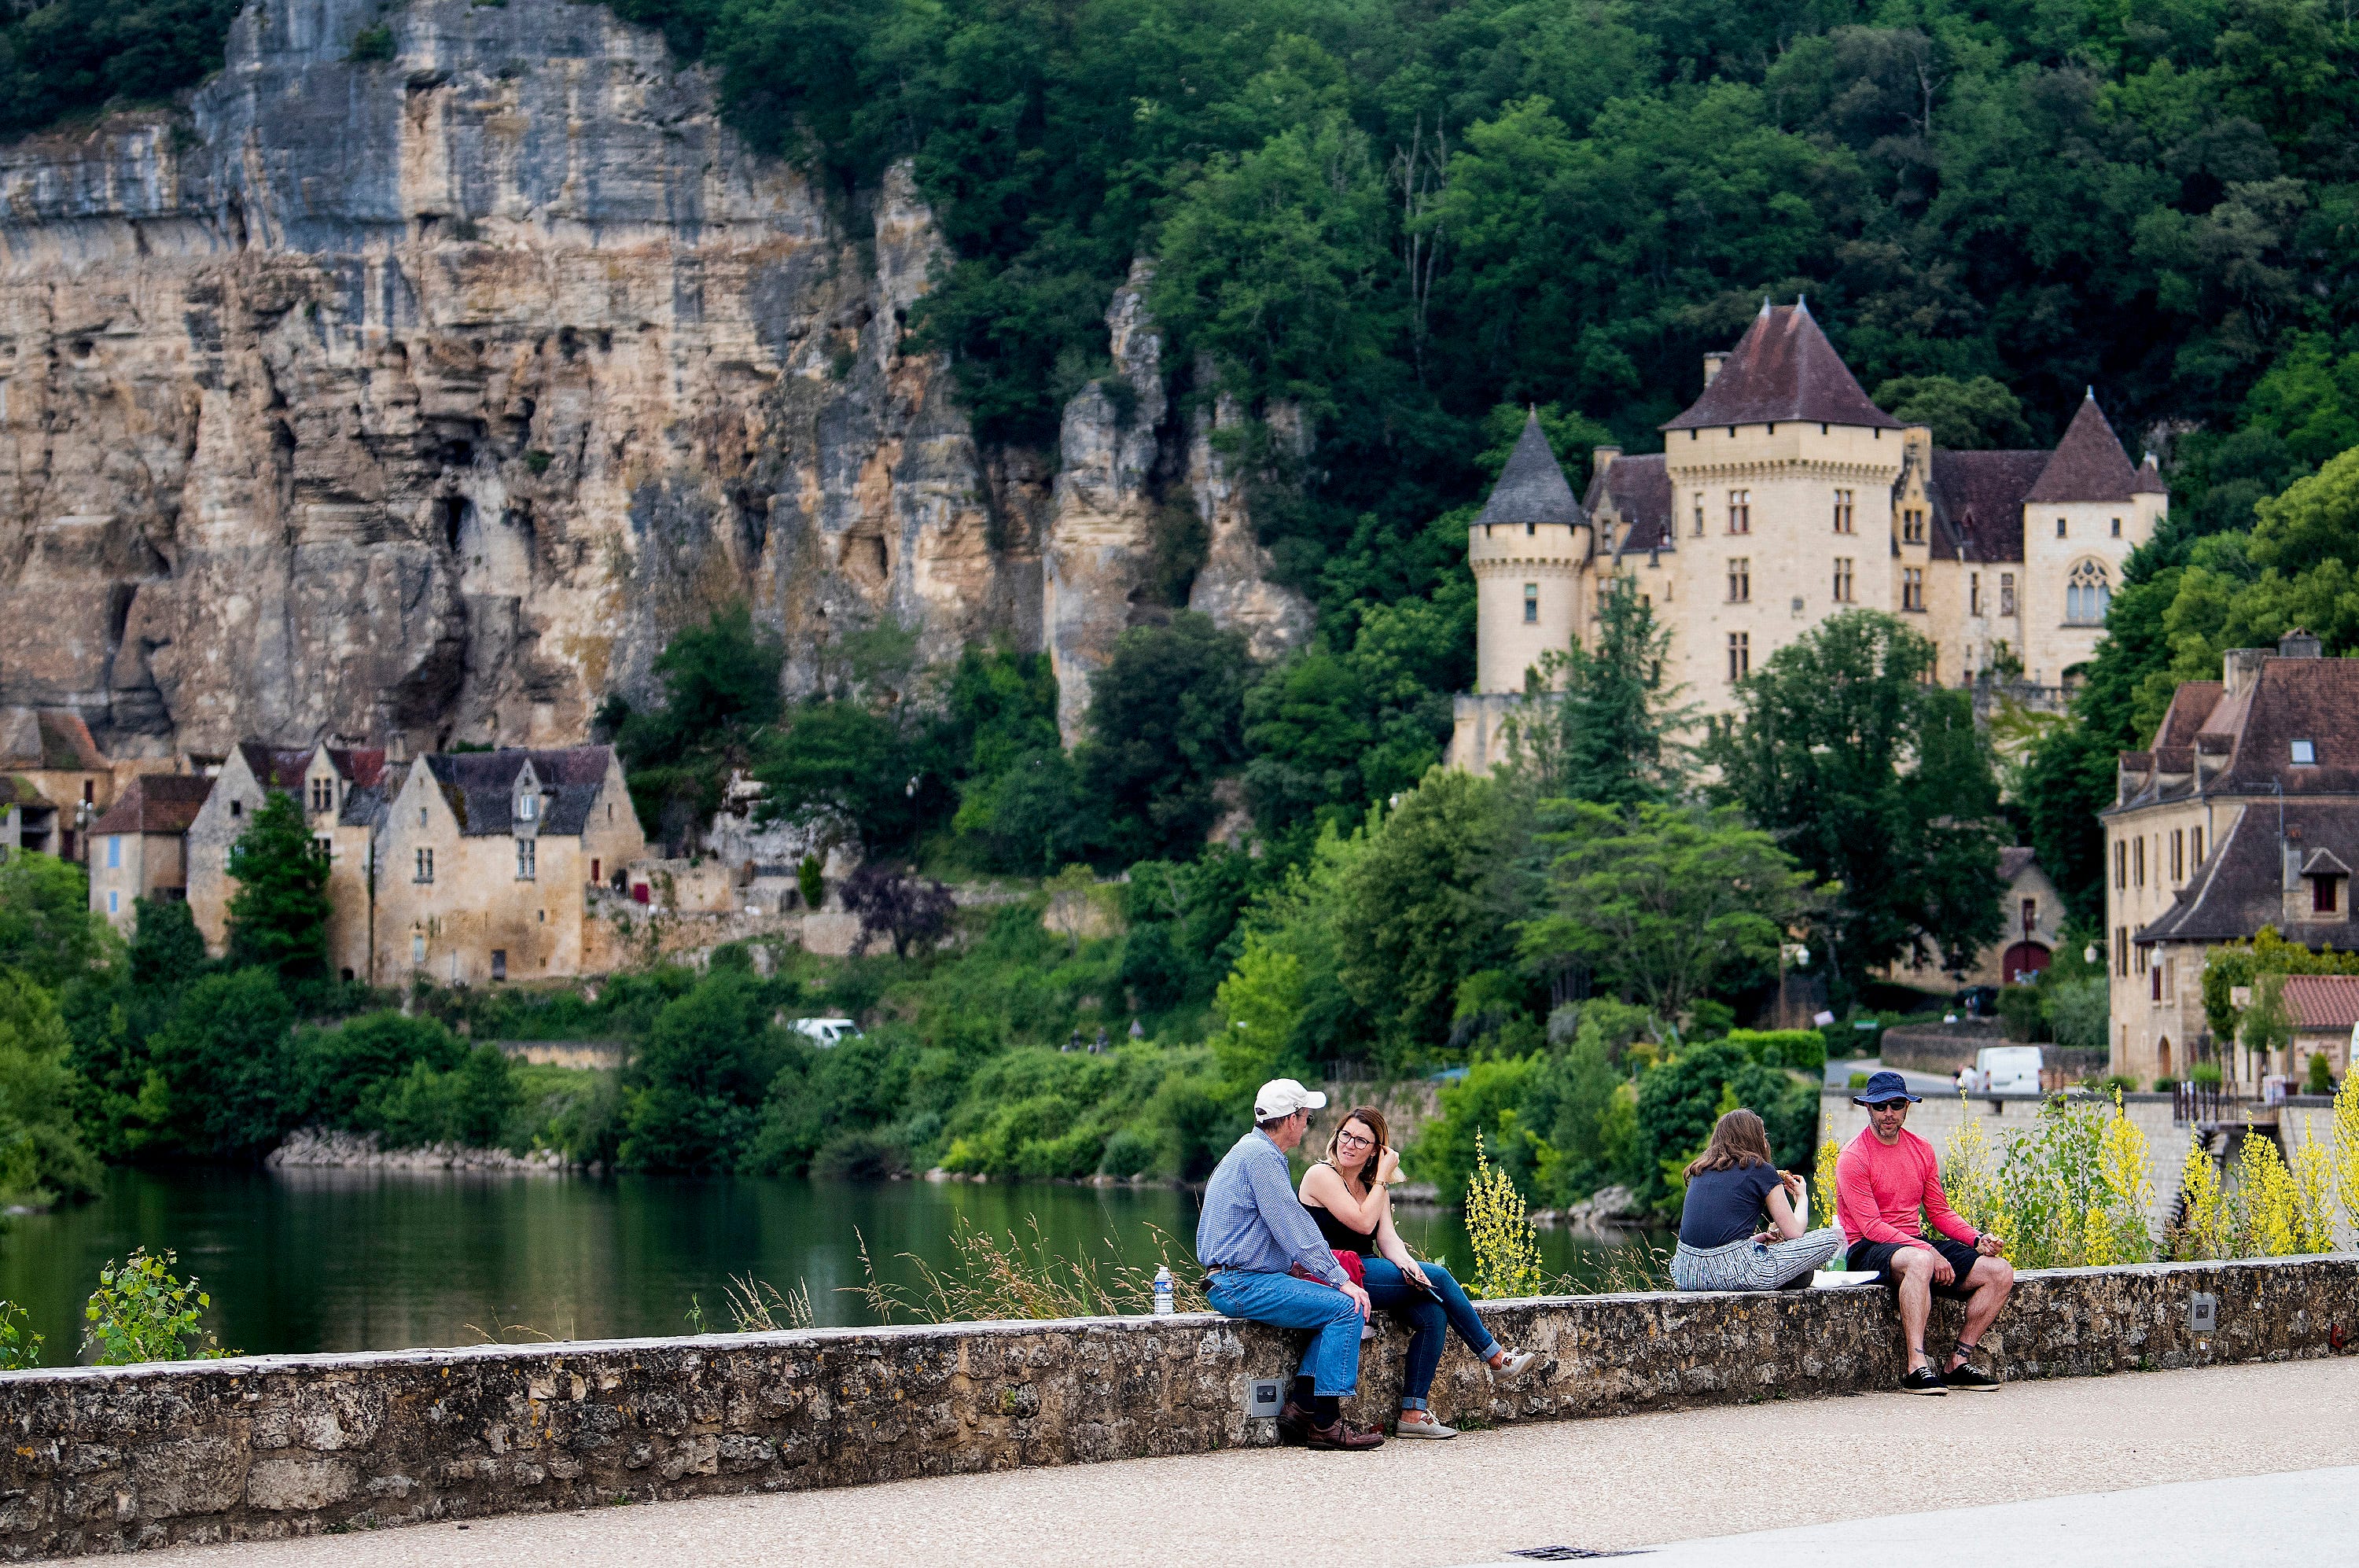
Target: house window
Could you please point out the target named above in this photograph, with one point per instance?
(1843, 511)
(1842, 579)
(2030, 916)
(2088, 593)
(114, 852)
(2007, 593)
(528, 803)
(1739, 579)
(528, 859)
(1531, 603)
(2121, 864)
(2060, 528)
(421, 816)
(1740, 655)
(114, 902)
(2178, 855)
(323, 847)
(1740, 511)
(2305, 753)
(1698, 514)
(499, 964)
(1912, 588)
(1912, 525)
(2194, 847)
(593, 870)
(418, 947)
(2137, 862)
(237, 807)
(424, 866)
(2122, 950)
(324, 794)
(1973, 592)
(2322, 895)
(2154, 982)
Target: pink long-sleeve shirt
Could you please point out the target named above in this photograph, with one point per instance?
(1879, 1188)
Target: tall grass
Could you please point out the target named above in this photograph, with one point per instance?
(991, 1276)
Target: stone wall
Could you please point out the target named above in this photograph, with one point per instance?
(110, 1459)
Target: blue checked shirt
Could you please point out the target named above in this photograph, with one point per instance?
(1253, 1221)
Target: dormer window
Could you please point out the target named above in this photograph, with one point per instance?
(2305, 753)
(528, 805)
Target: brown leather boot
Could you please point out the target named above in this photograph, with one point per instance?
(1293, 1423)
(1342, 1435)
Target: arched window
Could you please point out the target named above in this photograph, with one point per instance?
(2087, 593)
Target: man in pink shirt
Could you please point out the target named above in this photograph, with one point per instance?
(1884, 1176)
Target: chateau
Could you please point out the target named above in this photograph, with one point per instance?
(1783, 495)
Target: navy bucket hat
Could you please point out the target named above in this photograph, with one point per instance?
(1883, 1089)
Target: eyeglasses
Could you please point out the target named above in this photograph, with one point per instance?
(1354, 1141)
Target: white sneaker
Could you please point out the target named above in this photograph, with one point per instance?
(1427, 1427)
(1518, 1363)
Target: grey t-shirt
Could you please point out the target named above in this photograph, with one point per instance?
(1725, 1205)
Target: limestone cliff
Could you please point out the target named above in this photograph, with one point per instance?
(418, 401)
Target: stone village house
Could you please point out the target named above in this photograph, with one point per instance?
(2243, 814)
(1783, 495)
(138, 846)
(466, 867)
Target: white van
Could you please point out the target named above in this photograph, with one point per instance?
(2006, 1070)
(824, 1032)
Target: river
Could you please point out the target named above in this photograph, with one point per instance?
(312, 1259)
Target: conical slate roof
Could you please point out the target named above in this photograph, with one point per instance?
(1784, 368)
(1531, 488)
(2088, 465)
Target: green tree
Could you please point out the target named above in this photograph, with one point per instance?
(1425, 905)
(696, 1084)
(1679, 1101)
(1873, 779)
(1664, 902)
(47, 928)
(278, 916)
(166, 949)
(223, 1083)
(720, 681)
(1166, 722)
(1965, 414)
(1608, 737)
(41, 1152)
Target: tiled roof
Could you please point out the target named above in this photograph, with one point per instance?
(481, 786)
(2014, 861)
(363, 805)
(1783, 368)
(2322, 1001)
(1531, 488)
(155, 803)
(2149, 478)
(2194, 702)
(1638, 489)
(2241, 887)
(2316, 700)
(1978, 496)
(2089, 463)
(276, 767)
(363, 766)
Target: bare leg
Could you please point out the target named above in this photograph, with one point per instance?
(1994, 1282)
(1914, 1264)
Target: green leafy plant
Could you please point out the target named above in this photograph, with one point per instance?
(1506, 1248)
(142, 1311)
(20, 1346)
(371, 46)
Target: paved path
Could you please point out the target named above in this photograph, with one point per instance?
(1619, 1483)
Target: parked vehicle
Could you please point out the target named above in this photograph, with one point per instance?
(825, 1032)
(2003, 1070)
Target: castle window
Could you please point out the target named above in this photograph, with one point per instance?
(1842, 579)
(1739, 579)
(2007, 593)
(1531, 530)
(1740, 511)
(1843, 511)
(1698, 514)
(2060, 528)
(2087, 594)
(2117, 527)
(1912, 588)
(1740, 655)
(423, 866)
(1912, 525)
(528, 859)
(1531, 603)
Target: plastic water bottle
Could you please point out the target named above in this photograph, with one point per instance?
(1163, 1292)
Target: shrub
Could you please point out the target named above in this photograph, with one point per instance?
(2021, 1018)
(2321, 1076)
(2205, 1225)
(2204, 1074)
(860, 1156)
(140, 1312)
(1803, 1051)
(810, 883)
(2071, 1192)
(1506, 1250)
(1129, 1152)
(2078, 1011)
(371, 46)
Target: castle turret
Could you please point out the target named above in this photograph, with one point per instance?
(1528, 550)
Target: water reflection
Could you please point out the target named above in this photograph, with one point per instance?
(305, 1260)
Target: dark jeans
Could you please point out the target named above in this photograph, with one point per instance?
(1431, 1313)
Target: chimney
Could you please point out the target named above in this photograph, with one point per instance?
(1601, 458)
(2298, 644)
(2240, 669)
(1711, 364)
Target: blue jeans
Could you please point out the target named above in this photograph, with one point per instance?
(1428, 1314)
(1332, 1361)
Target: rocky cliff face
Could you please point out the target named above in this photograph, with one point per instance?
(418, 400)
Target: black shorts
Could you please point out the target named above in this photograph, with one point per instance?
(1877, 1256)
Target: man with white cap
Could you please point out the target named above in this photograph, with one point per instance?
(1265, 1261)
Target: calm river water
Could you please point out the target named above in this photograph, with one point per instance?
(307, 1260)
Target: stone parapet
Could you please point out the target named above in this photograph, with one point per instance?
(115, 1459)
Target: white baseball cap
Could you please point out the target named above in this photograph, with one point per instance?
(1283, 1097)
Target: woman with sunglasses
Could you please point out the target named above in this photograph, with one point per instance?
(1348, 1196)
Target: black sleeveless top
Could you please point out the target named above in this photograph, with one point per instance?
(1341, 1237)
